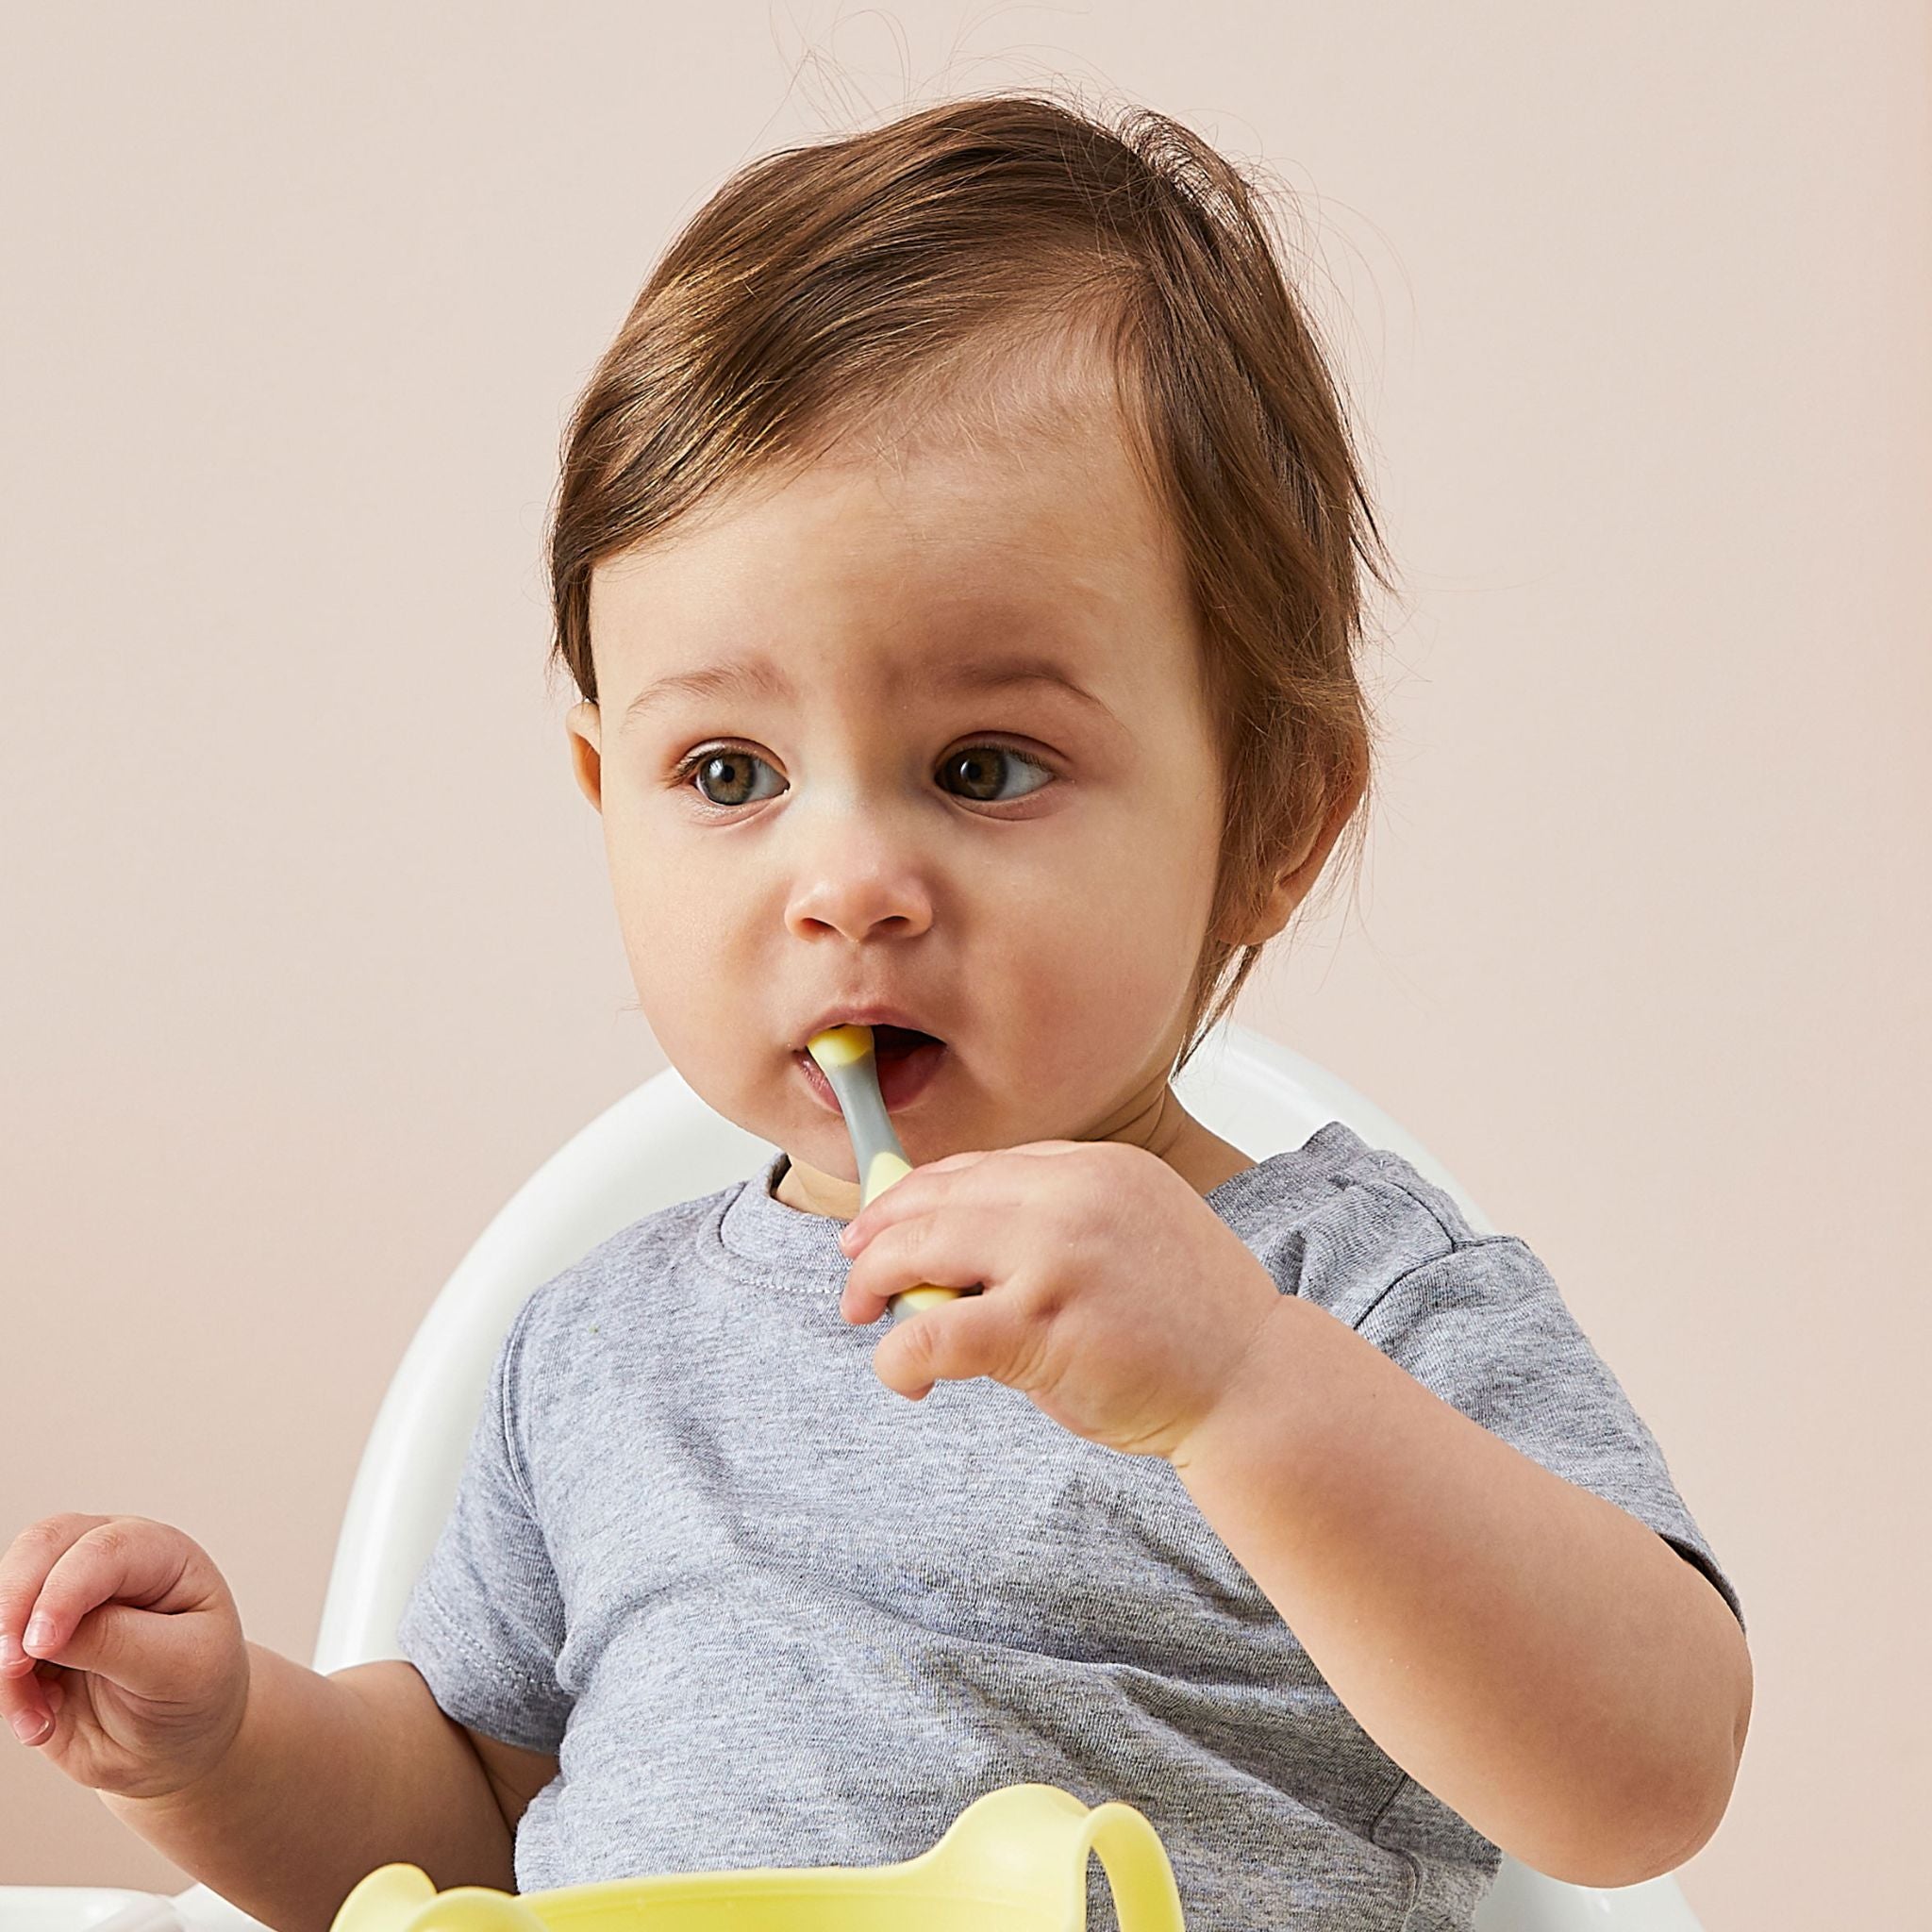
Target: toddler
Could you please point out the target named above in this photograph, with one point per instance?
(959, 557)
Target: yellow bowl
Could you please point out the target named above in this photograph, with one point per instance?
(1014, 1860)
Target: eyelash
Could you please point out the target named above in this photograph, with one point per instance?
(681, 776)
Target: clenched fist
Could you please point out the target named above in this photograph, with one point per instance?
(121, 1653)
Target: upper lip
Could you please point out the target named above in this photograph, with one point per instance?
(862, 1016)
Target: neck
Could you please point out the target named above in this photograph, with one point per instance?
(1165, 1129)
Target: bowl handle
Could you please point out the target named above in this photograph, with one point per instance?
(1145, 1898)
(1032, 1841)
(403, 1898)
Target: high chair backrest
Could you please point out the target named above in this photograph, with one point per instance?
(661, 1144)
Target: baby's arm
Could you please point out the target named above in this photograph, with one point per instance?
(1533, 1655)
(329, 1777)
(124, 1665)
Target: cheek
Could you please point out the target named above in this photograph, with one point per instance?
(1093, 976)
(678, 938)
(1138, 896)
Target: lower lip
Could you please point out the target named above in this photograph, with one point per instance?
(903, 1077)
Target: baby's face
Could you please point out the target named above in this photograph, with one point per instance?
(1023, 872)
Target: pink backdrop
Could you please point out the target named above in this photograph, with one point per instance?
(308, 954)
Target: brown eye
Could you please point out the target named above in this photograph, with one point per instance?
(726, 767)
(721, 772)
(981, 767)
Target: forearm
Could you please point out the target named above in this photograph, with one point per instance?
(324, 1783)
(1539, 1660)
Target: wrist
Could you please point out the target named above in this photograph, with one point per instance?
(1253, 1387)
(208, 1768)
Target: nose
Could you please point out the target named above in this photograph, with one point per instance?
(861, 881)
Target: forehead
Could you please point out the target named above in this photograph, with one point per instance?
(1012, 510)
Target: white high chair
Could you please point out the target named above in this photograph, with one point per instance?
(657, 1145)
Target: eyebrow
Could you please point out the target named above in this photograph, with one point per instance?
(763, 676)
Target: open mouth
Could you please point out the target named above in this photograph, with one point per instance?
(907, 1062)
(891, 1042)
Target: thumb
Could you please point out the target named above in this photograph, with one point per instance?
(949, 1341)
(904, 1359)
(151, 1655)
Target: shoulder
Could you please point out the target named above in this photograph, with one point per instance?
(616, 1276)
(1340, 1222)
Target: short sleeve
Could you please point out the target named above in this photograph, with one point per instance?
(1485, 1327)
(484, 1623)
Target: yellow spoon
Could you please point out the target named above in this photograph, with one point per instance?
(846, 1058)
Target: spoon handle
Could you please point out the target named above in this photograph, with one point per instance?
(845, 1056)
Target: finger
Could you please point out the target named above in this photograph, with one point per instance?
(953, 1342)
(28, 1702)
(148, 1655)
(912, 1193)
(948, 1162)
(112, 1604)
(30, 1722)
(916, 1192)
(22, 1571)
(935, 1251)
(967, 1159)
(24, 1705)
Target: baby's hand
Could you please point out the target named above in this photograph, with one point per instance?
(1115, 1299)
(142, 1675)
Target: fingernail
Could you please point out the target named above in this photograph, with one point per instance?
(39, 1634)
(27, 1726)
(11, 1652)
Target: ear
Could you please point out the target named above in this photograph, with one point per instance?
(584, 727)
(1296, 880)
(1289, 889)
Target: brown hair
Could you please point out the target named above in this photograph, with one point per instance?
(824, 284)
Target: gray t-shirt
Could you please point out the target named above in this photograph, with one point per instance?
(768, 1612)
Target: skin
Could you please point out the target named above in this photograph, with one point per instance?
(1042, 913)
